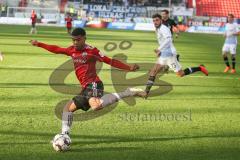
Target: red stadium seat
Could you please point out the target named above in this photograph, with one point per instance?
(218, 8)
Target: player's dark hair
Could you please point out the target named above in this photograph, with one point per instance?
(157, 16)
(231, 15)
(78, 32)
(166, 11)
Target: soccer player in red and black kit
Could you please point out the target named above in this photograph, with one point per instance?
(68, 20)
(84, 58)
(34, 21)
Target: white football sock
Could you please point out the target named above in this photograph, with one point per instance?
(112, 98)
(67, 118)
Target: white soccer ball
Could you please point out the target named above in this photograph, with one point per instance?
(61, 142)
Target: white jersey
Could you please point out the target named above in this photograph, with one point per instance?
(165, 41)
(231, 28)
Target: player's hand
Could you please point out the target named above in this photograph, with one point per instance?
(34, 42)
(158, 53)
(134, 67)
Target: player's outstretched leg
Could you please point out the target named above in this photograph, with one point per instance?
(95, 104)
(233, 64)
(192, 70)
(108, 99)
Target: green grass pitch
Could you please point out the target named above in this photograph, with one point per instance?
(209, 106)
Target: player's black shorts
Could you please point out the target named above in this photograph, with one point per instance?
(33, 25)
(94, 89)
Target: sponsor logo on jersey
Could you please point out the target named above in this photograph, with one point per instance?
(84, 54)
(78, 60)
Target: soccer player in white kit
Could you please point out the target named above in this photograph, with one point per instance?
(166, 55)
(230, 44)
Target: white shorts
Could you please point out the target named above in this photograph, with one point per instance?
(172, 62)
(229, 48)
